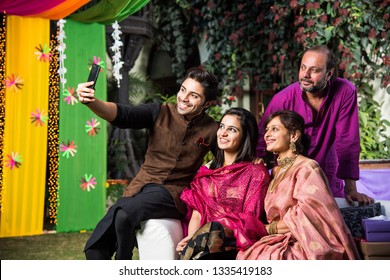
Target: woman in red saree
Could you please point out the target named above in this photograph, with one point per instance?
(305, 222)
(226, 198)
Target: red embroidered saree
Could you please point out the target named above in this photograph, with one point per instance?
(233, 196)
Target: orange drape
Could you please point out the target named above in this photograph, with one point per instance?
(62, 10)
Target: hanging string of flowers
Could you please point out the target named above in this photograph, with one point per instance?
(116, 48)
(61, 49)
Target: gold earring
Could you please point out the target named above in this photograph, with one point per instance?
(293, 147)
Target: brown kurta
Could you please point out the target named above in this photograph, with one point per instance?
(175, 152)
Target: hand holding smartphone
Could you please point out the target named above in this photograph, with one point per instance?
(94, 74)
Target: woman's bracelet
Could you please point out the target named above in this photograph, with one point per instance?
(273, 227)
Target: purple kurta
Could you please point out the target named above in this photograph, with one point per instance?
(334, 133)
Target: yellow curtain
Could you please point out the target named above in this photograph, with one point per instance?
(25, 130)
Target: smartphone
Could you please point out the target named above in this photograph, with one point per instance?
(94, 74)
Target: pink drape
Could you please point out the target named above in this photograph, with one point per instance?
(232, 195)
(27, 7)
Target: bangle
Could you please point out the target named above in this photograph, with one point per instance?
(273, 227)
(85, 103)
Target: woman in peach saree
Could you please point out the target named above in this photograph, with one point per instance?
(305, 222)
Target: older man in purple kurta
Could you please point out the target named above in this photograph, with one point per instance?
(329, 107)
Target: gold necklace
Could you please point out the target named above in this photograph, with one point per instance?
(286, 161)
(283, 164)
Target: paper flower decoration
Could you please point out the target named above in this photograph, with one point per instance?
(43, 53)
(88, 182)
(39, 117)
(14, 160)
(92, 127)
(98, 61)
(68, 149)
(116, 48)
(61, 50)
(70, 96)
(14, 83)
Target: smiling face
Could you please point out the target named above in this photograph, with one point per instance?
(229, 134)
(277, 137)
(313, 75)
(191, 99)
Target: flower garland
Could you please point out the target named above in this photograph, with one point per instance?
(61, 49)
(116, 48)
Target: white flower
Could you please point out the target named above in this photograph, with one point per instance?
(61, 49)
(116, 48)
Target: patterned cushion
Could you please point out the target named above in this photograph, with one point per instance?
(353, 217)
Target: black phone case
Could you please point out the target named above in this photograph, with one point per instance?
(94, 74)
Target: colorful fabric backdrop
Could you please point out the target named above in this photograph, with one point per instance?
(40, 164)
(25, 130)
(108, 11)
(49, 9)
(83, 136)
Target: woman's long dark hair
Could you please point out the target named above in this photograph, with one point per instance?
(250, 137)
(293, 122)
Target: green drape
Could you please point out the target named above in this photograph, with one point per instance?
(82, 152)
(109, 11)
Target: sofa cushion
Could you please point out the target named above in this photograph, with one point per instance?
(157, 239)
